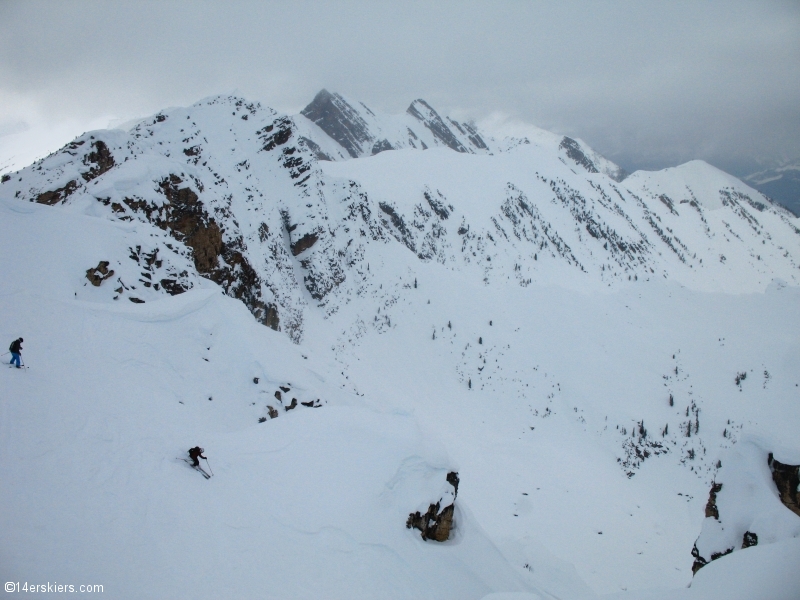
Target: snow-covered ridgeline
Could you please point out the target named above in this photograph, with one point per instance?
(241, 190)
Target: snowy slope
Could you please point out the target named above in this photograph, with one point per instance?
(572, 346)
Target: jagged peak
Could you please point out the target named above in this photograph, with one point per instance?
(424, 112)
(419, 101)
(341, 121)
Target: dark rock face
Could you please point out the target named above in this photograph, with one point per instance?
(381, 146)
(340, 121)
(436, 205)
(275, 134)
(711, 505)
(786, 478)
(575, 153)
(711, 511)
(749, 539)
(314, 148)
(304, 243)
(58, 195)
(437, 522)
(475, 137)
(399, 225)
(422, 111)
(99, 274)
(699, 561)
(99, 161)
(186, 218)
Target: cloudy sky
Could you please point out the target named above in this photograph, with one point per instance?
(648, 84)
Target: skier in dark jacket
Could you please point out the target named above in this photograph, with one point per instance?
(16, 349)
(195, 453)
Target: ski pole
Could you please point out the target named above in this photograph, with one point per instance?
(209, 466)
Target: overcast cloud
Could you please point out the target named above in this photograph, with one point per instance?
(648, 84)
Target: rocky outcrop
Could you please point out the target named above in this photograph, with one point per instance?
(99, 274)
(749, 539)
(711, 505)
(743, 509)
(99, 160)
(187, 218)
(574, 151)
(57, 195)
(787, 480)
(437, 522)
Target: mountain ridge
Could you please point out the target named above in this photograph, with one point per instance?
(276, 236)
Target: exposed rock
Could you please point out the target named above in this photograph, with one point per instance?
(575, 153)
(186, 216)
(271, 320)
(56, 196)
(381, 146)
(339, 120)
(273, 413)
(421, 110)
(292, 405)
(276, 134)
(711, 505)
(99, 161)
(475, 137)
(749, 539)
(437, 522)
(403, 234)
(437, 206)
(314, 148)
(304, 243)
(787, 479)
(172, 286)
(99, 274)
(699, 561)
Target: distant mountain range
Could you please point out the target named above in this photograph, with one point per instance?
(781, 183)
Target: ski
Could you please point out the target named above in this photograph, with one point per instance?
(188, 462)
(206, 475)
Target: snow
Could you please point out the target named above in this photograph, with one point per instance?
(542, 390)
(768, 571)
(694, 179)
